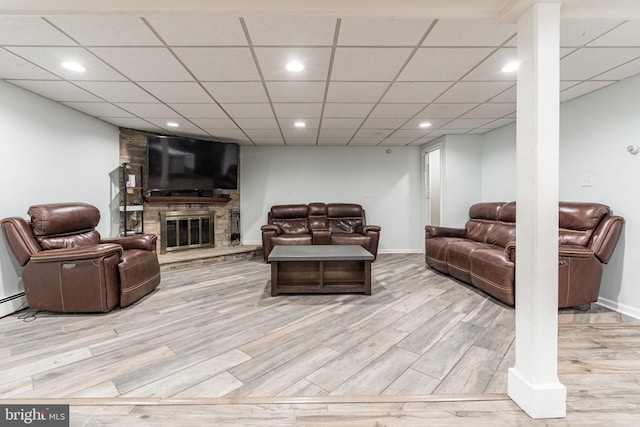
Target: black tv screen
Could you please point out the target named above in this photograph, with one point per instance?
(185, 164)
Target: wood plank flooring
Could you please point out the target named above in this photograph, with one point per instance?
(211, 339)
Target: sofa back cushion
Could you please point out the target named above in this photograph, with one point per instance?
(318, 219)
(578, 220)
(345, 217)
(291, 218)
(65, 225)
(482, 218)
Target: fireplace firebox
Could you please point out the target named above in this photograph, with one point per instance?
(186, 230)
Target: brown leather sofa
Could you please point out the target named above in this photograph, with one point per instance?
(483, 253)
(319, 224)
(68, 267)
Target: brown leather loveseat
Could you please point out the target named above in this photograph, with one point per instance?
(483, 253)
(68, 267)
(319, 224)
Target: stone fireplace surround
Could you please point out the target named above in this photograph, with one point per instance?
(133, 150)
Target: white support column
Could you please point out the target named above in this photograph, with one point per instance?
(533, 382)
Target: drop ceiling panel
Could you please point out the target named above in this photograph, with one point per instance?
(257, 123)
(99, 109)
(587, 63)
(57, 90)
(288, 124)
(263, 133)
(410, 133)
(397, 141)
(106, 30)
(269, 141)
(118, 91)
(336, 123)
(396, 110)
(414, 124)
(356, 92)
(298, 110)
(582, 89)
(236, 91)
(151, 110)
(445, 111)
(51, 59)
(622, 72)
(578, 32)
(627, 34)
(419, 92)
(291, 31)
(219, 124)
(466, 124)
(14, 67)
(380, 134)
(296, 91)
(219, 63)
(227, 133)
(30, 31)
(365, 141)
(356, 31)
(346, 110)
(336, 133)
(199, 111)
(508, 95)
(185, 125)
(442, 64)
(301, 141)
(368, 64)
(249, 110)
(491, 68)
(144, 64)
(385, 123)
(492, 110)
(177, 92)
(473, 91)
(497, 123)
(132, 123)
(333, 141)
(273, 61)
(465, 32)
(199, 30)
(296, 134)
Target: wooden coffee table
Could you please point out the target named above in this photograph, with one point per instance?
(320, 269)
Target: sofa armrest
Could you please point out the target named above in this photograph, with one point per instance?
(510, 251)
(321, 236)
(271, 228)
(567, 251)
(371, 229)
(605, 237)
(146, 242)
(73, 254)
(435, 231)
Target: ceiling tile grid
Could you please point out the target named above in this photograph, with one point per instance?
(365, 81)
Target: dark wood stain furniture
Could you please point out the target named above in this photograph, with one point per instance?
(320, 269)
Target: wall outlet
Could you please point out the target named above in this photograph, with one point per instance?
(586, 180)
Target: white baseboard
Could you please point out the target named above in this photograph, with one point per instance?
(620, 308)
(12, 304)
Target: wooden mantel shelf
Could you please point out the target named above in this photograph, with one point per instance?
(185, 199)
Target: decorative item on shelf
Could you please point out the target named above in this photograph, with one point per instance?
(132, 199)
(234, 227)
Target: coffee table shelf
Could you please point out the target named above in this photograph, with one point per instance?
(320, 269)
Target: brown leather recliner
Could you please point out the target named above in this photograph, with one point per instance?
(68, 267)
(319, 224)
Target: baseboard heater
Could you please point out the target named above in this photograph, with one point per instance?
(12, 303)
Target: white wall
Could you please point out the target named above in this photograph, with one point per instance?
(388, 186)
(50, 153)
(595, 130)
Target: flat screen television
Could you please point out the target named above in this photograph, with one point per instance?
(182, 165)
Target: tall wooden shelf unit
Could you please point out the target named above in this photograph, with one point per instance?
(132, 200)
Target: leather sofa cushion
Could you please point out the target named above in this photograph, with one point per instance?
(289, 212)
(350, 239)
(436, 252)
(338, 226)
(294, 226)
(501, 233)
(578, 220)
(62, 218)
(458, 254)
(88, 238)
(292, 239)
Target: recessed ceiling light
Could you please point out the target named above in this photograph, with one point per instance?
(74, 66)
(299, 124)
(173, 124)
(425, 125)
(295, 66)
(510, 67)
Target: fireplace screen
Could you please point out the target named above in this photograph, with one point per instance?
(186, 230)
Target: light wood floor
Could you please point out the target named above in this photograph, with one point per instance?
(211, 344)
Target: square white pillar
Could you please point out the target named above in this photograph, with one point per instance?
(533, 382)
